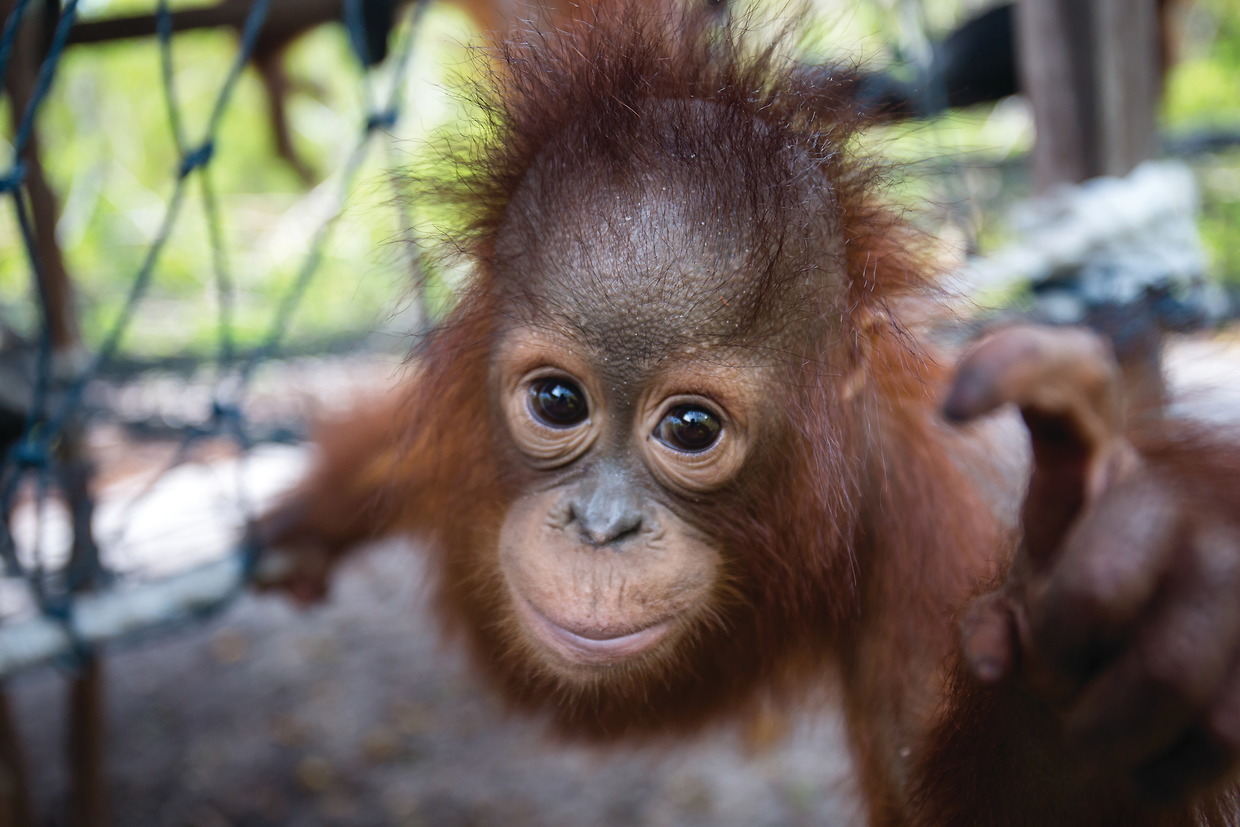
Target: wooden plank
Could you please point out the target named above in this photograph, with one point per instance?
(1091, 72)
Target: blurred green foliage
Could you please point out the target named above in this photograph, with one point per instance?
(108, 149)
(1203, 94)
(110, 155)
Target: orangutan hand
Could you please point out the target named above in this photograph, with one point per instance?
(1122, 607)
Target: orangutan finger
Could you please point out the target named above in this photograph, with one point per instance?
(1105, 577)
(1204, 755)
(1145, 702)
(1061, 372)
(988, 637)
(1066, 384)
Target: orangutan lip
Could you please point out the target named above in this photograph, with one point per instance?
(590, 647)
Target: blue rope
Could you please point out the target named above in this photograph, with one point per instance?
(163, 30)
(384, 120)
(386, 116)
(249, 36)
(196, 159)
(47, 72)
(35, 454)
(13, 181)
(356, 26)
(190, 161)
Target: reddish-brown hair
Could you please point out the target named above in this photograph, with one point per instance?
(818, 511)
(857, 532)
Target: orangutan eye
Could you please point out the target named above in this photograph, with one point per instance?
(558, 403)
(688, 428)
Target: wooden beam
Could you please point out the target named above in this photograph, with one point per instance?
(1091, 71)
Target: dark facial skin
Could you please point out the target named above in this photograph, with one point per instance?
(628, 400)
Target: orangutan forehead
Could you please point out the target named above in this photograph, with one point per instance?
(643, 266)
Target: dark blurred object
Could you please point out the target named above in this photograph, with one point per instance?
(17, 358)
(378, 18)
(976, 63)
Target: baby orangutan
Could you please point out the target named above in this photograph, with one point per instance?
(679, 446)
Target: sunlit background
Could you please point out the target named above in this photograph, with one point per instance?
(110, 156)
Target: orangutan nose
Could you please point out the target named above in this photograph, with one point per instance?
(607, 508)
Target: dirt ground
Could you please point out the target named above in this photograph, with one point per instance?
(353, 713)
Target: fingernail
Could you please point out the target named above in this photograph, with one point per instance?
(968, 397)
(988, 670)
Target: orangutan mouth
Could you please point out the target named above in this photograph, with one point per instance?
(591, 647)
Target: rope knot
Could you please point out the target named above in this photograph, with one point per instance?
(199, 157)
(29, 454)
(381, 120)
(15, 177)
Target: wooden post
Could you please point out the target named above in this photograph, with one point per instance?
(86, 747)
(1091, 71)
(88, 788)
(15, 808)
(19, 82)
